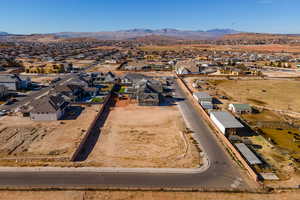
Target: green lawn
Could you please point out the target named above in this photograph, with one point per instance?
(97, 100)
(122, 90)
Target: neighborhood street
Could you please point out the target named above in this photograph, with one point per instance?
(221, 172)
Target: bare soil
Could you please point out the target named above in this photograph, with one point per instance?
(28, 140)
(135, 136)
(137, 195)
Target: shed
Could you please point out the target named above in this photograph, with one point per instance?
(240, 108)
(251, 158)
(225, 122)
(202, 96)
(207, 105)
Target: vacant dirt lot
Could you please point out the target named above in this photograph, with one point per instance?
(80, 63)
(104, 68)
(43, 79)
(21, 138)
(103, 195)
(268, 93)
(135, 136)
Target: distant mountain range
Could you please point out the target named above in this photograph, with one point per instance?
(3, 33)
(162, 36)
(135, 33)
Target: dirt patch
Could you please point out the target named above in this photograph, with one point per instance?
(43, 80)
(16, 140)
(135, 136)
(104, 68)
(28, 141)
(137, 195)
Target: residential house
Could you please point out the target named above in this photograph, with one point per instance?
(101, 78)
(132, 78)
(12, 81)
(46, 68)
(148, 92)
(70, 92)
(148, 99)
(25, 82)
(48, 108)
(3, 91)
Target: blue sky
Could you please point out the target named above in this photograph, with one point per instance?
(46, 16)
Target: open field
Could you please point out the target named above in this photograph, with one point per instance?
(27, 140)
(135, 136)
(290, 74)
(137, 195)
(265, 115)
(43, 79)
(278, 161)
(265, 93)
(286, 139)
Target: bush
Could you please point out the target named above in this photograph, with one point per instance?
(97, 100)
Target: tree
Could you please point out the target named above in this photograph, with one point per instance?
(279, 64)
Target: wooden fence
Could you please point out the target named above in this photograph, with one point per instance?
(90, 129)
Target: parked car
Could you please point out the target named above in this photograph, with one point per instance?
(2, 113)
(9, 102)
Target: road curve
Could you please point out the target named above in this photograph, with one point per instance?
(220, 173)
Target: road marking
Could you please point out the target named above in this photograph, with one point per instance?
(66, 81)
(42, 95)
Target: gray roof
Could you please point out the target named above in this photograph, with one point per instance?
(8, 78)
(134, 77)
(202, 95)
(3, 88)
(48, 104)
(153, 85)
(248, 154)
(242, 107)
(227, 120)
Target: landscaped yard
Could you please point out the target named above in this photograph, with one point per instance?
(97, 99)
(122, 89)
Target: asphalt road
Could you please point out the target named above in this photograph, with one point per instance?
(222, 172)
